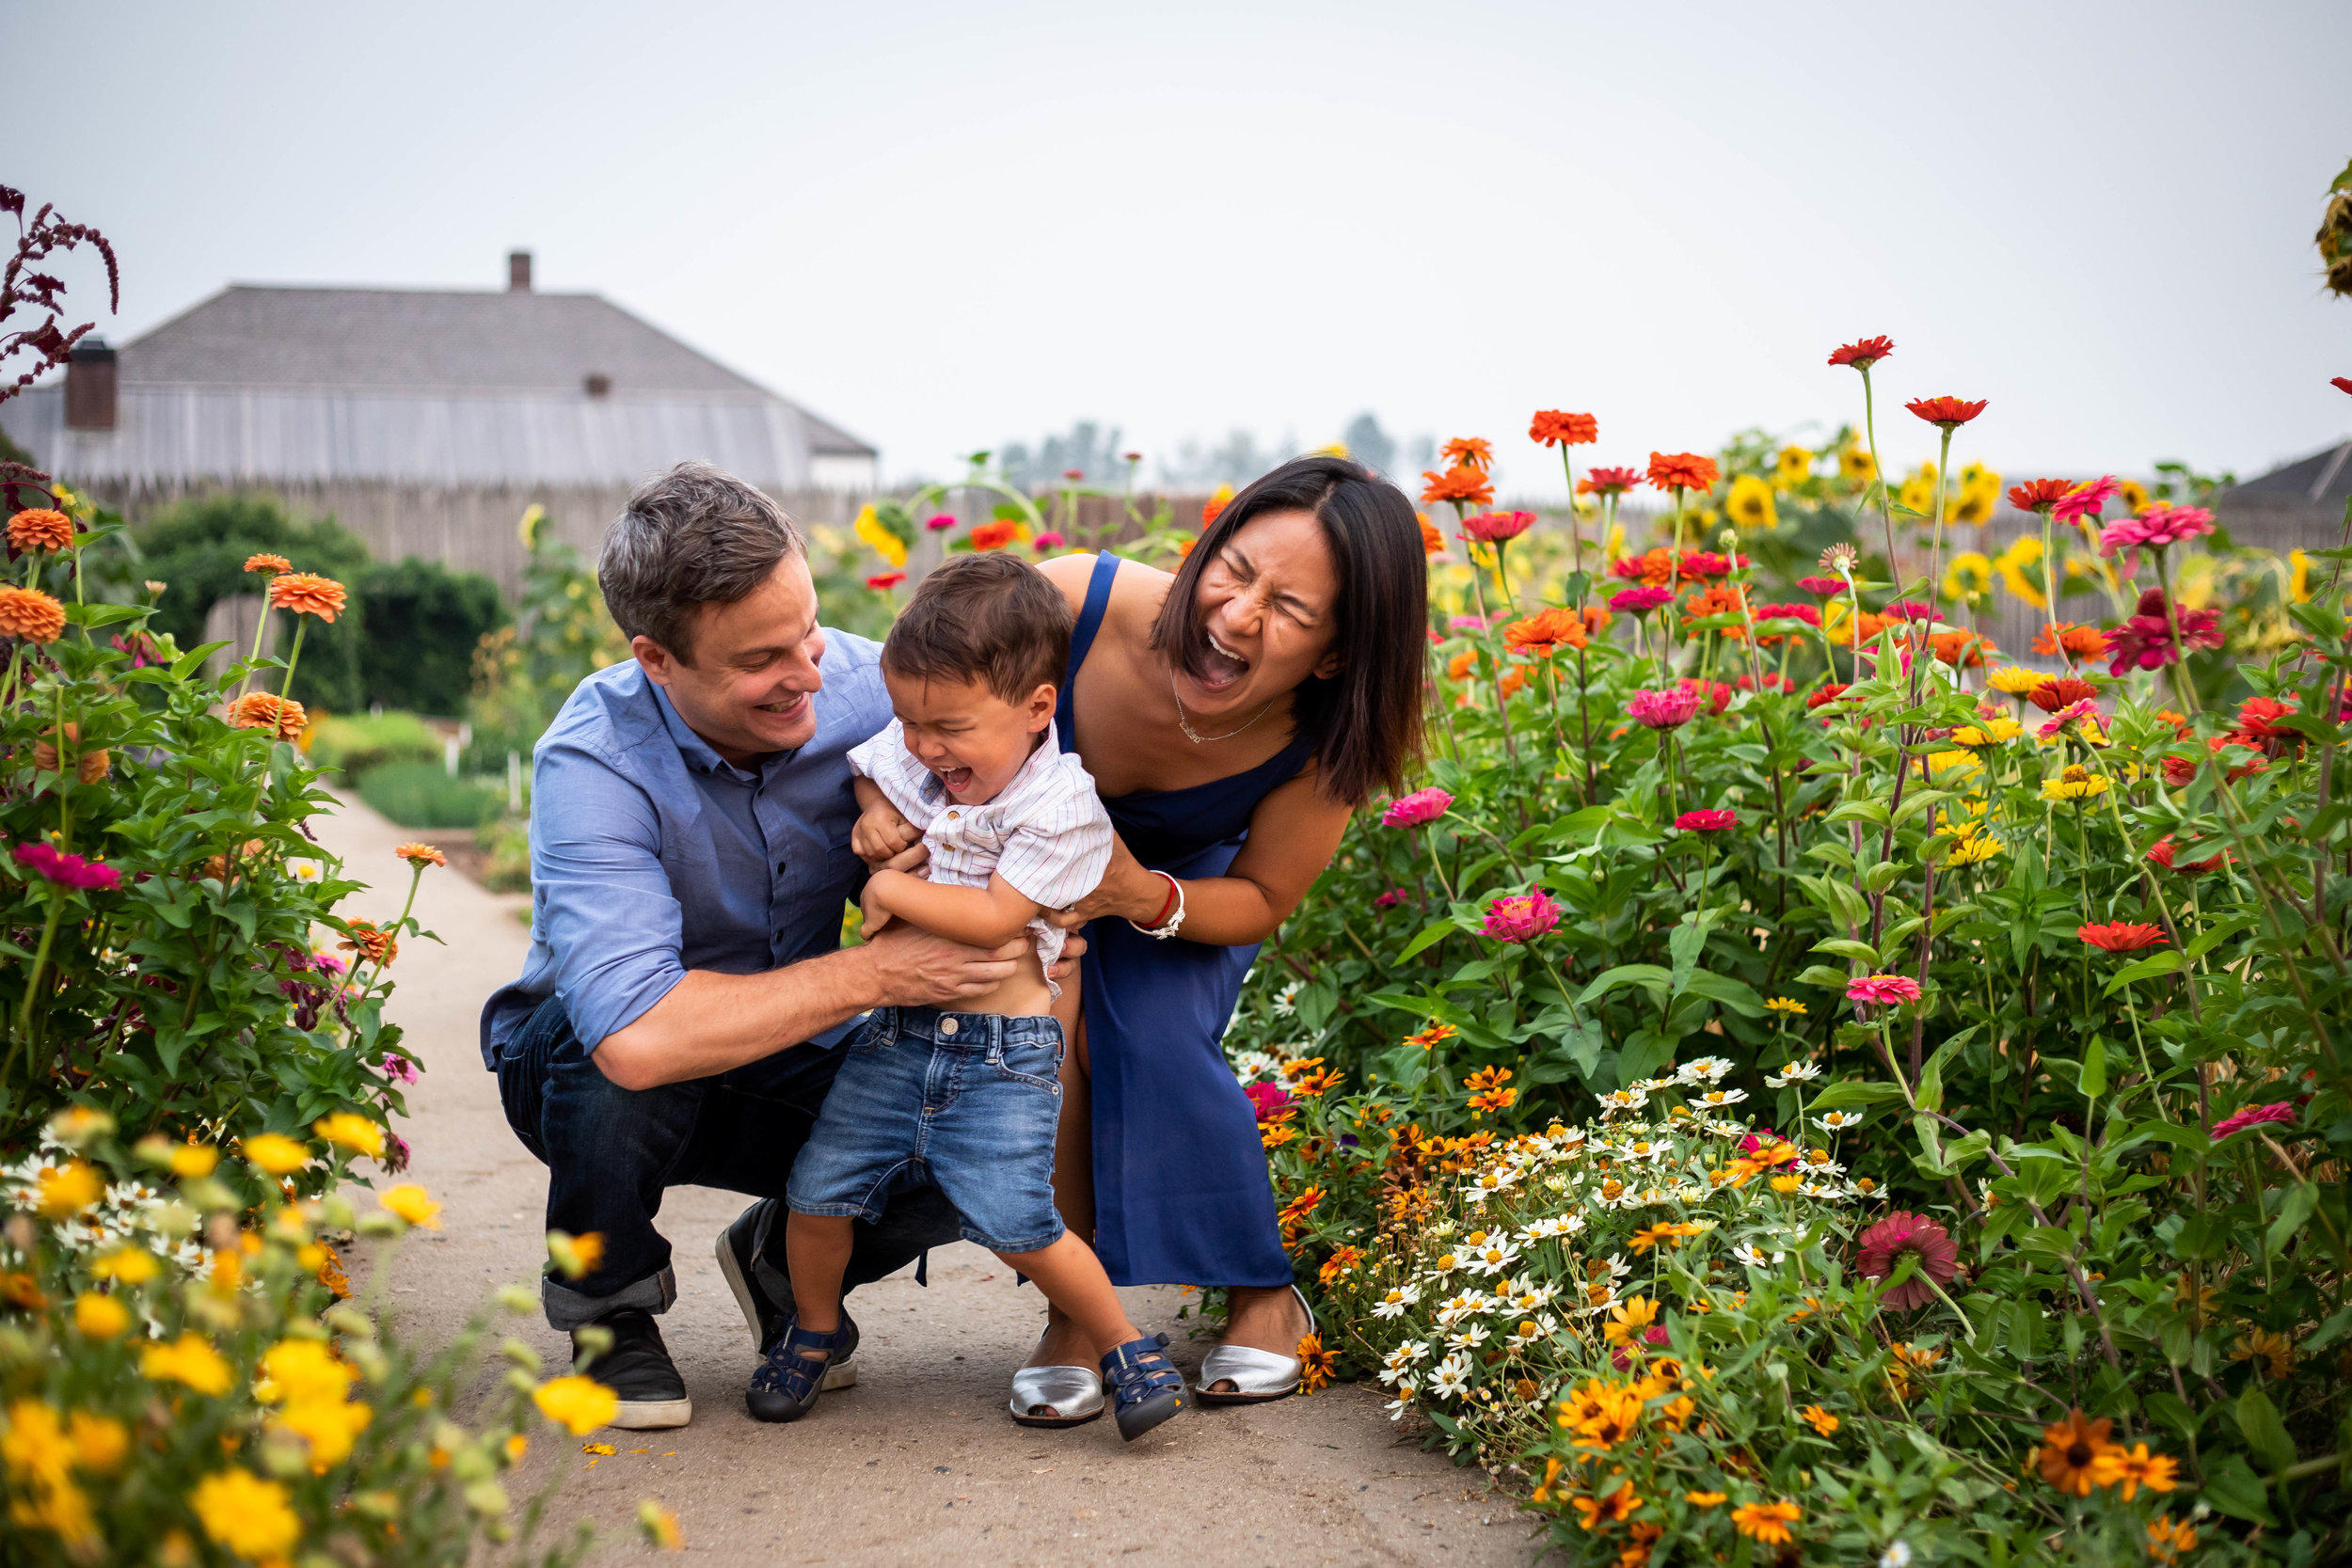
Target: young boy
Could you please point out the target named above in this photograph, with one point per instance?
(966, 1101)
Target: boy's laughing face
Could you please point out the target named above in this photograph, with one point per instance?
(972, 739)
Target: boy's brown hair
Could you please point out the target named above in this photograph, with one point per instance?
(991, 618)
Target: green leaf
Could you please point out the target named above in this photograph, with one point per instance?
(2231, 1488)
(2293, 1211)
(2159, 963)
(1823, 975)
(1859, 811)
(1650, 977)
(1686, 942)
(1854, 1091)
(2203, 942)
(1430, 937)
(2258, 1418)
(2328, 1333)
(1736, 994)
(186, 665)
(1846, 947)
(2094, 1074)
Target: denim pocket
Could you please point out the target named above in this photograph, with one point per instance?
(1030, 1060)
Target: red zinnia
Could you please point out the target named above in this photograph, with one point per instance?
(2256, 720)
(1883, 1246)
(1950, 412)
(2037, 494)
(1884, 990)
(2341, 383)
(995, 535)
(1608, 481)
(1489, 528)
(1862, 353)
(1829, 693)
(1682, 470)
(2167, 855)
(1825, 587)
(1553, 428)
(884, 582)
(2121, 936)
(1706, 821)
(1714, 695)
(2064, 692)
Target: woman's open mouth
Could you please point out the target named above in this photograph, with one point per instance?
(1219, 669)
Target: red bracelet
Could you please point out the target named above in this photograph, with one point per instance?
(1161, 919)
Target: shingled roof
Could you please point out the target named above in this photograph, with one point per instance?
(435, 387)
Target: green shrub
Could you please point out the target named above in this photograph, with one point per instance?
(350, 746)
(422, 795)
(508, 844)
(423, 621)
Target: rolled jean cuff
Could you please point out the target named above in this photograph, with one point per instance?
(568, 1309)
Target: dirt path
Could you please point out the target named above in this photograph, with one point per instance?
(919, 1464)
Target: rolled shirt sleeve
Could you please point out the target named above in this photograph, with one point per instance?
(601, 896)
(1057, 853)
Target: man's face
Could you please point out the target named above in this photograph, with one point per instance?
(752, 686)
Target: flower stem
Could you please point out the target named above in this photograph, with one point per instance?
(1878, 470)
(302, 624)
(2182, 685)
(32, 981)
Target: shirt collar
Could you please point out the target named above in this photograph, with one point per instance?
(699, 754)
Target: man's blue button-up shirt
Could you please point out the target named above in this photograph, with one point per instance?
(651, 854)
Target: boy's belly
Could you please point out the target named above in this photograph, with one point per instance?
(1022, 996)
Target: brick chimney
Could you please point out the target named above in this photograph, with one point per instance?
(89, 387)
(518, 272)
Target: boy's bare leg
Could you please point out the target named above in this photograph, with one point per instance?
(1073, 1279)
(816, 1251)
(1064, 1344)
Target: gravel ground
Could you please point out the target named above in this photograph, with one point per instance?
(919, 1464)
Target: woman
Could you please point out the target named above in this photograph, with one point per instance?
(1233, 716)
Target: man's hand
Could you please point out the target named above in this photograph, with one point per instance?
(919, 970)
(882, 838)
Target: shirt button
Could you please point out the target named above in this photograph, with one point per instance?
(951, 817)
(946, 1025)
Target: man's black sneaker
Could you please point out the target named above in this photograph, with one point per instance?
(638, 1367)
(763, 1291)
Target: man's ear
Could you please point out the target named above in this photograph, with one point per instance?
(659, 665)
(1039, 711)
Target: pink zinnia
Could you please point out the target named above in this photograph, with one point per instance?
(1909, 609)
(939, 521)
(1883, 1246)
(1045, 542)
(1640, 601)
(1713, 822)
(1763, 1137)
(2254, 1116)
(67, 870)
(399, 1069)
(1391, 899)
(1883, 990)
(2086, 499)
(1804, 612)
(1267, 1100)
(1664, 710)
(1714, 696)
(2145, 641)
(1826, 587)
(1465, 623)
(1520, 916)
(1421, 806)
(2069, 715)
(1493, 527)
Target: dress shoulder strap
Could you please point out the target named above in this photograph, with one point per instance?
(1098, 601)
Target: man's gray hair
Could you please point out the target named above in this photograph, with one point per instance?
(696, 535)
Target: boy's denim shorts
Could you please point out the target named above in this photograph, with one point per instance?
(966, 1103)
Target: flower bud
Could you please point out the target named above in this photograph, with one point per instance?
(517, 1299)
(520, 1354)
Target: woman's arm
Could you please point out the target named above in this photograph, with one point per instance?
(1292, 836)
(983, 916)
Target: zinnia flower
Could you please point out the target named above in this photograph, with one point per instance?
(2067, 717)
(1713, 695)
(68, 870)
(881, 583)
(1948, 413)
(2071, 1451)
(1862, 353)
(1546, 629)
(2278, 1114)
(1462, 484)
(1218, 499)
(307, 594)
(37, 528)
(1822, 587)
(1640, 601)
(1663, 710)
(2145, 641)
(939, 522)
(373, 944)
(2165, 853)
(1271, 1101)
(1883, 990)
(1682, 470)
(1883, 1245)
(2086, 500)
(2037, 495)
(1766, 1522)
(420, 855)
(996, 534)
(1047, 540)
(270, 563)
(1520, 916)
(31, 614)
(1412, 811)
(1473, 452)
(1608, 481)
(1493, 527)
(2073, 640)
(1829, 691)
(2121, 936)
(1551, 427)
(259, 710)
(2062, 691)
(2158, 527)
(1712, 821)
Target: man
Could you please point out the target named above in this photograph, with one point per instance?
(690, 860)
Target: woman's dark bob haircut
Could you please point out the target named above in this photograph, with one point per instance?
(1365, 720)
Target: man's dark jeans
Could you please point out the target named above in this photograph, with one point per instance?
(611, 1152)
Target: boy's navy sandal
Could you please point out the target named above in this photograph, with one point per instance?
(1147, 1388)
(785, 1386)
(761, 1290)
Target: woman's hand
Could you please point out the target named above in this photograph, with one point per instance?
(1126, 890)
(885, 840)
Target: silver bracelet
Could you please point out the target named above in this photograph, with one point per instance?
(1176, 916)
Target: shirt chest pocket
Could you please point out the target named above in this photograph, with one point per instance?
(963, 833)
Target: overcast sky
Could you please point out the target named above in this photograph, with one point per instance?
(942, 226)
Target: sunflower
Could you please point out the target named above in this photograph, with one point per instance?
(1750, 503)
(1856, 465)
(1792, 467)
(1969, 577)
(2071, 1452)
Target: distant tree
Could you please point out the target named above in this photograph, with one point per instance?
(1369, 444)
(1420, 454)
(424, 621)
(1089, 448)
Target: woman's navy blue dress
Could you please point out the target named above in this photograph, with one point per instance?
(1181, 1190)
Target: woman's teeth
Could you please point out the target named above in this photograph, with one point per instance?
(1223, 667)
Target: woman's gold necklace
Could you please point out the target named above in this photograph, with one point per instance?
(1195, 736)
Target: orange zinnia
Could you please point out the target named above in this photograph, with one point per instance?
(37, 528)
(1432, 542)
(2037, 494)
(420, 855)
(1545, 628)
(2080, 642)
(1947, 412)
(1462, 484)
(1962, 647)
(259, 710)
(1468, 452)
(995, 535)
(31, 614)
(1553, 428)
(308, 593)
(1682, 470)
(1714, 601)
(270, 563)
(371, 942)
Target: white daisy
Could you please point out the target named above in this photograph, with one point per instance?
(1795, 1073)
(1495, 1180)
(1706, 1070)
(1399, 1405)
(1719, 1098)
(1624, 1099)
(1468, 1339)
(1449, 1381)
(1396, 1301)
(1837, 1121)
(1284, 999)
(1496, 1255)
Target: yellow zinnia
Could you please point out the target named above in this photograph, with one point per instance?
(353, 1132)
(887, 544)
(69, 1189)
(188, 1359)
(131, 1265)
(2015, 679)
(275, 1153)
(249, 1515)
(579, 1404)
(99, 1317)
(194, 1159)
(2074, 783)
(1785, 1004)
(413, 1204)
